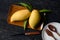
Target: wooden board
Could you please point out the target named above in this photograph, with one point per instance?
(14, 8)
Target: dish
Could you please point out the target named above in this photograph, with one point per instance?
(14, 8)
(51, 31)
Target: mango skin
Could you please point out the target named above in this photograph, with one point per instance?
(20, 15)
(34, 18)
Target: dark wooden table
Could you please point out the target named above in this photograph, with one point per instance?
(6, 29)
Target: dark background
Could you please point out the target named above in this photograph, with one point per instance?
(6, 30)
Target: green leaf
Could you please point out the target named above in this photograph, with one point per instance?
(44, 10)
(26, 5)
(25, 24)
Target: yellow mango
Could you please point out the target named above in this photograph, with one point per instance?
(20, 15)
(34, 18)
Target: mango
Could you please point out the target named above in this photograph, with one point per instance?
(34, 18)
(20, 15)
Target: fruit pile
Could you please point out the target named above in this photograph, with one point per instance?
(28, 15)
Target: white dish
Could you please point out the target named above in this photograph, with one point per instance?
(45, 36)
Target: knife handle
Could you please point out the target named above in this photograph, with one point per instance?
(32, 33)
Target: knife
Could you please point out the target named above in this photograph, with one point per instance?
(28, 33)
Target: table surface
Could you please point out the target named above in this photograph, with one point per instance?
(6, 30)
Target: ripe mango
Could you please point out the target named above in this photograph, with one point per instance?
(34, 18)
(20, 15)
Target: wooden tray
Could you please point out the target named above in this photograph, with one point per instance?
(14, 8)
